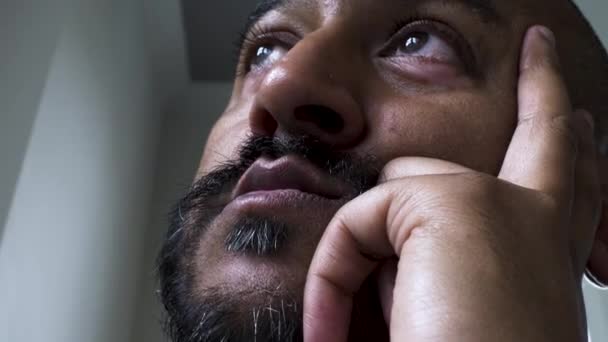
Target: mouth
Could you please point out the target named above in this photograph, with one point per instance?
(276, 204)
(275, 217)
(288, 178)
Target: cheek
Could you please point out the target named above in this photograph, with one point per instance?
(223, 142)
(471, 130)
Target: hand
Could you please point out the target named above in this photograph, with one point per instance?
(481, 258)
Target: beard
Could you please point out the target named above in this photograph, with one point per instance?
(219, 314)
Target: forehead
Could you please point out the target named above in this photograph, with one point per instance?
(501, 12)
(486, 8)
(500, 21)
(490, 11)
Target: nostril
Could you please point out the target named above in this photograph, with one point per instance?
(263, 123)
(323, 117)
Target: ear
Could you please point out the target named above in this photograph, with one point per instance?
(598, 261)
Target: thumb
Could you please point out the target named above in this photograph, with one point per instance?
(419, 166)
(385, 278)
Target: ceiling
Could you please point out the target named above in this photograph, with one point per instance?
(212, 27)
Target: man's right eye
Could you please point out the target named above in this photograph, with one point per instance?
(266, 55)
(262, 47)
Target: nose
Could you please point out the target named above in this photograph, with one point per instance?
(307, 92)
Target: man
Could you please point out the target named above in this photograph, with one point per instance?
(398, 170)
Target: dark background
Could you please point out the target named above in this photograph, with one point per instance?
(212, 27)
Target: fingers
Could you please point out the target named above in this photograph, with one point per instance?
(386, 277)
(543, 151)
(354, 242)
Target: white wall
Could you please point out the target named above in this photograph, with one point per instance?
(596, 302)
(23, 72)
(184, 132)
(596, 11)
(70, 255)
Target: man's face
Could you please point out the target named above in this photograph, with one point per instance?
(327, 93)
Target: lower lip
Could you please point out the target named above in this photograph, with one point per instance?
(279, 199)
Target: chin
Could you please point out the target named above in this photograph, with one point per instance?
(243, 280)
(256, 252)
(240, 282)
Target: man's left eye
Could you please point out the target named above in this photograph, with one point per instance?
(415, 42)
(426, 45)
(428, 42)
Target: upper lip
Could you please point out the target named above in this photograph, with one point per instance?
(289, 173)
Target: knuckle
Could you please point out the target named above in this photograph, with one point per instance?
(392, 170)
(562, 126)
(469, 188)
(460, 193)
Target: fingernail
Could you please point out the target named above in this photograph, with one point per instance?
(534, 48)
(547, 34)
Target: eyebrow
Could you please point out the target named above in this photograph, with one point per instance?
(263, 8)
(485, 9)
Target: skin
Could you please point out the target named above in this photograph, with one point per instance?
(468, 243)
(468, 155)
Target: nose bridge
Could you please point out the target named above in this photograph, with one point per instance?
(310, 91)
(322, 56)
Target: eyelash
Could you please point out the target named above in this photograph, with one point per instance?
(260, 35)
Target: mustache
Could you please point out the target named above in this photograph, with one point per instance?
(199, 206)
(360, 172)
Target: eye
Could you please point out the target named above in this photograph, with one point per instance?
(427, 45)
(266, 55)
(263, 46)
(429, 42)
(415, 42)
